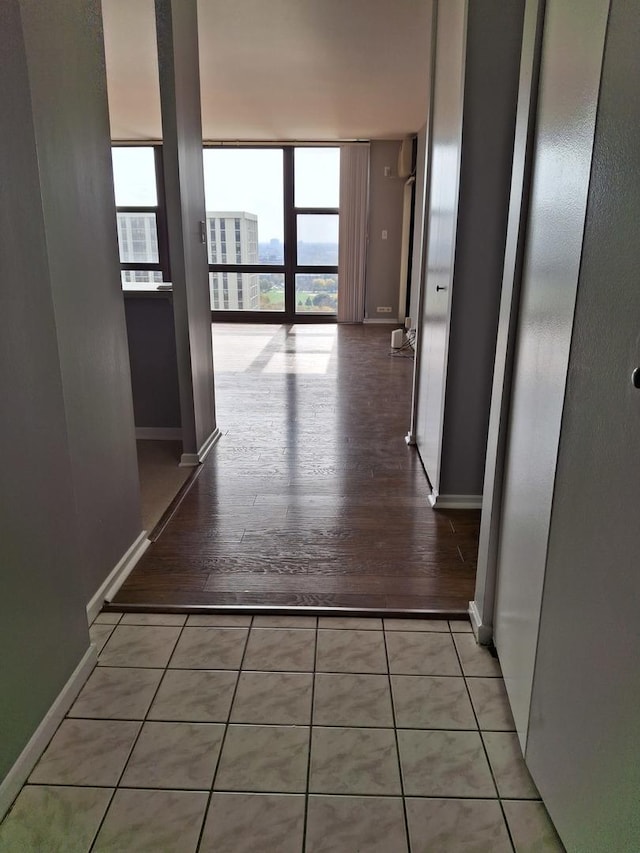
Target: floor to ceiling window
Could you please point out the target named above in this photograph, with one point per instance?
(272, 231)
(316, 198)
(137, 178)
(245, 228)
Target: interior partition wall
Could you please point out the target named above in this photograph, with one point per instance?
(272, 226)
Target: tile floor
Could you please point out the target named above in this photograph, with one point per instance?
(236, 734)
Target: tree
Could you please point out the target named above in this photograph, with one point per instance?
(322, 300)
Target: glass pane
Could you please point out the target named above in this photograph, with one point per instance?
(317, 293)
(141, 277)
(246, 291)
(318, 239)
(138, 238)
(317, 177)
(244, 198)
(134, 177)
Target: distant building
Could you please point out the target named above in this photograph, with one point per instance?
(232, 238)
(138, 239)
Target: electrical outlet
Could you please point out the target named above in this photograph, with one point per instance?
(385, 234)
(384, 309)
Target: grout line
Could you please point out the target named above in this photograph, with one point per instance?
(135, 741)
(294, 671)
(395, 733)
(486, 754)
(313, 692)
(285, 793)
(294, 725)
(224, 738)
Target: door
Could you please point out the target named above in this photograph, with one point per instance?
(442, 216)
(568, 93)
(584, 728)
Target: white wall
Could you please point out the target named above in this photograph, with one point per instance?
(385, 214)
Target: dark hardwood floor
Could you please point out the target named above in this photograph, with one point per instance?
(311, 498)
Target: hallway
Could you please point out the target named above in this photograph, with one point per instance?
(311, 498)
(239, 734)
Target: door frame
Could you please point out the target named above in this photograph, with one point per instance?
(481, 609)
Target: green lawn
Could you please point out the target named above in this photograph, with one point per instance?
(275, 298)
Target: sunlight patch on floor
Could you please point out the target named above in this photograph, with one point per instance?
(313, 343)
(327, 330)
(294, 362)
(241, 354)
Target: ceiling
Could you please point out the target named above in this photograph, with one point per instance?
(280, 69)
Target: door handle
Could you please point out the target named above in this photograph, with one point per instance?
(441, 287)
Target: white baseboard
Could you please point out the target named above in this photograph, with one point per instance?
(190, 460)
(28, 758)
(159, 433)
(484, 633)
(117, 576)
(375, 320)
(455, 501)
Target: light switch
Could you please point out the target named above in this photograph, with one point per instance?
(385, 234)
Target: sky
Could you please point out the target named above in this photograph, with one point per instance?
(247, 180)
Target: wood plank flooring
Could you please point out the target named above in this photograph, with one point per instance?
(311, 498)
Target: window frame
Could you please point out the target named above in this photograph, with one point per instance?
(159, 209)
(290, 268)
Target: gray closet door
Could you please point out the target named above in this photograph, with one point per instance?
(442, 218)
(584, 733)
(571, 62)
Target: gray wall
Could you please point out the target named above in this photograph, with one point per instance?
(484, 597)
(177, 29)
(385, 213)
(494, 39)
(68, 85)
(585, 724)
(566, 116)
(43, 626)
(418, 226)
(152, 353)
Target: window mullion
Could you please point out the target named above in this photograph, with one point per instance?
(290, 240)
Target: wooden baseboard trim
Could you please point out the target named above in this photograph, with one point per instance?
(484, 633)
(117, 575)
(190, 460)
(437, 501)
(28, 758)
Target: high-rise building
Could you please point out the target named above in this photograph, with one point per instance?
(232, 238)
(138, 239)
